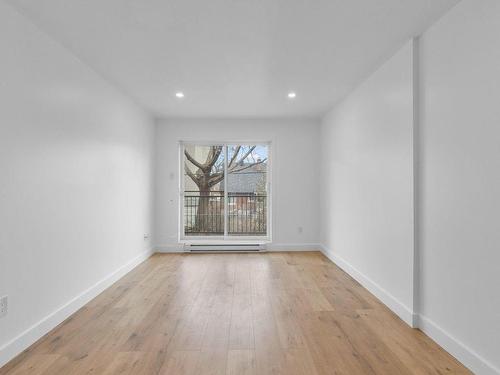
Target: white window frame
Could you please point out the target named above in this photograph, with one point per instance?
(182, 238)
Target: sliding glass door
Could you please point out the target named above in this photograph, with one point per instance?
(225, 191)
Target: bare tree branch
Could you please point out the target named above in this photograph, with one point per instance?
(212, 157)
(206, 177)
(190, 174)
(250, 150)
(235, 155)
(193, 160)
(247, 166)
(215, 179)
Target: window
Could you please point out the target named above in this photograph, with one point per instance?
(225, 191)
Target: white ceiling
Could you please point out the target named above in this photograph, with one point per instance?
(233, 58)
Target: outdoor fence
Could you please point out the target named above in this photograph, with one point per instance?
(204, 214)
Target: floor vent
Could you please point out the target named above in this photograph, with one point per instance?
(224, 248)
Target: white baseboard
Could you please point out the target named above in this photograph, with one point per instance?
(460, 351)
(399, 308)
(14, 347)
(179, 248)
(170, 248)
(293, 247)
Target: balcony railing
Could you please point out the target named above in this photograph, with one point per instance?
(204, 214)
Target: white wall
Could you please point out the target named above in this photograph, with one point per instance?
(294, 167)
(367, 173)
(75, 181)
(367, 183)
(459, 200)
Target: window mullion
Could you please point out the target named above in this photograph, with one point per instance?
(225, 193)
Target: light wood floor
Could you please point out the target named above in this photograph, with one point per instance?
(275, 313)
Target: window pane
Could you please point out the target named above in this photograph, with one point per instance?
(247, 190)
(203, 190)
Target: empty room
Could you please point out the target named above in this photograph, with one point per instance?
(249, 187)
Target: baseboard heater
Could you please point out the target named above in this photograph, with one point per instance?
(219, 248)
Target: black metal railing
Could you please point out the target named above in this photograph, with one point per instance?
(204, 214)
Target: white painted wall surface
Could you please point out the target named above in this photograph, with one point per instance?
(367, 183)
(460, 182)
(294, 167)
(75, 180)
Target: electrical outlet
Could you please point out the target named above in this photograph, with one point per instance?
(4, 306)
(300, 229)
(146, 236)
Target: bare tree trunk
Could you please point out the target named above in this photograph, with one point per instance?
(202, 215)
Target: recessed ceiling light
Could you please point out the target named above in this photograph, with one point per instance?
(179, 95)
(292, 95)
